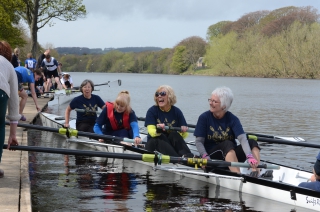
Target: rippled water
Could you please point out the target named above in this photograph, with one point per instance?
(287, 107)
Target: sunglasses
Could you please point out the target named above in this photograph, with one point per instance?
(162, 93)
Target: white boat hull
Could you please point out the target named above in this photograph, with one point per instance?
(277, 189)
(62, 98)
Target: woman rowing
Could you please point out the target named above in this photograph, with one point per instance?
(217, 130)
(162, 114)
(314, 181)
(89, 103)
(118, 119)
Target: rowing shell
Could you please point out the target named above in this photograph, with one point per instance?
(281, 186)
(62, 97)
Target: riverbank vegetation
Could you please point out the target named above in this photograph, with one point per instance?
(282, 43)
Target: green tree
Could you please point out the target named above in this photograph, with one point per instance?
(178, 64)
(215, 29)
(195, 47)
(9, 22)
(38, 13)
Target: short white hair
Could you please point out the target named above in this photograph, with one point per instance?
(225, 96)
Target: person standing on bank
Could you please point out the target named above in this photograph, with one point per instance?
(43, 69)
(118, 119)
(164, 113)
(15, 58)
(8, 96)
(53, 69)
(88, 102)
(217, 130)
(24, 75)
(30, 62)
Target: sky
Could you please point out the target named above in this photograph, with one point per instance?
(157, 23)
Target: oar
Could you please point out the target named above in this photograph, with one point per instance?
(151, 158)
(68, 91)
(248, 133)
(105, 83)
(281, 141)
(72, 132)
(83, 110)
(296, 139)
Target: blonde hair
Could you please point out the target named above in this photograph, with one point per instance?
(172, 99)
(16, 51)
(123, 100)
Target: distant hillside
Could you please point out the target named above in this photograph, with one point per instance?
(84, 50)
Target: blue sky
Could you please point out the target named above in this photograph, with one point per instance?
(160, 23)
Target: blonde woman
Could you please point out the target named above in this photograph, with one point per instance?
(164, 113)
(15, 58)
(118, 119)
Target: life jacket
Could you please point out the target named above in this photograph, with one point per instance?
(113, 121)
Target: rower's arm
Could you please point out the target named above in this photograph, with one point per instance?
(97, 129)
(200, 146)
(152, 130)
(34, 96)
(244, 143)
(67, 116)
(135, 129)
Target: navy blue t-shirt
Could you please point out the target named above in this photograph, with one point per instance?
(104, 121)
(91, 104)
(311, 185)
(217, 130)
(172, 118)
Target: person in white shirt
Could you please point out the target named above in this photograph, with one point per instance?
(66, 81)
(53, 69)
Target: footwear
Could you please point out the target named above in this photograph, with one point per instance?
(267, 175)
(1, 173)
(23, 118)
(254, 174)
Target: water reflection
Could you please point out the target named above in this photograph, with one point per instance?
(268, 106)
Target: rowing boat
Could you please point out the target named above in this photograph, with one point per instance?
(63, 96)
(280, 186)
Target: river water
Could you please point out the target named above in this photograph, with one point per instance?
(286, 107)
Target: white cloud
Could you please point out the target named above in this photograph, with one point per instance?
(162, 23)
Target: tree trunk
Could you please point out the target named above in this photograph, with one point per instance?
(34, 30)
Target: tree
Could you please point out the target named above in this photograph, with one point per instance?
(305, 15)
(248, 21)
(216, 29)
(195, 48)
(178, 64)
(9, 21)
(38, 13)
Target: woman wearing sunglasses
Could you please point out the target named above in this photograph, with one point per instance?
(217, 130)
(164, 113)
